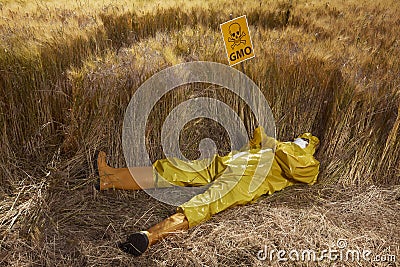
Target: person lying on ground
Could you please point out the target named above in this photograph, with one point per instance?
(230, 184)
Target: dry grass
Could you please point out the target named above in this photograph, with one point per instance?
(82, 228)
(69, 69)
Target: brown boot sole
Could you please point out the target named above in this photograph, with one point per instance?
(136, 244)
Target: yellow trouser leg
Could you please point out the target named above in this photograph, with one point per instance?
(192, 173)
(234, 187)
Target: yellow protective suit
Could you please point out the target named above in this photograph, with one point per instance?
(291, 164)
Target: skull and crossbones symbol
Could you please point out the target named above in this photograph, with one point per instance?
(236, 35)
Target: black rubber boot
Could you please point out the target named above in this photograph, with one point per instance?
(136, 244)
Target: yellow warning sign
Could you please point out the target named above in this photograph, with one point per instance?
(237, 40)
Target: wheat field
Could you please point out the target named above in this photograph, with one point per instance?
(68, 70)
